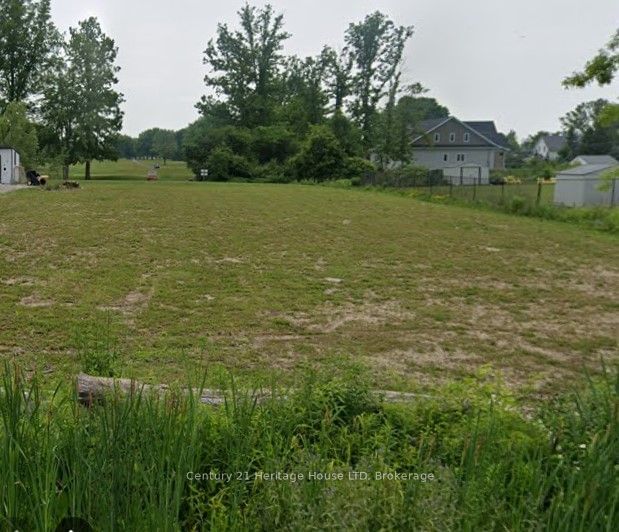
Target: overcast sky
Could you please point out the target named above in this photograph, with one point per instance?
(499, 60)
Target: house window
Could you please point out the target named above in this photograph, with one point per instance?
(467, 137)
(452, 137)
(437, 137)
(445, 157)
(460, 157)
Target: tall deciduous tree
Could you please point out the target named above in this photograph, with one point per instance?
(28, 39)
(246, 66)
(164, 144)
(17, 131)
(338, 76)
(377, 47)
(81, 104)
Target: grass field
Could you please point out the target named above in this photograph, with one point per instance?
(133, 170)
(324, 295)
(265, 280)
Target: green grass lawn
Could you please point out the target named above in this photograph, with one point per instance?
(133, 170)
(268, 279)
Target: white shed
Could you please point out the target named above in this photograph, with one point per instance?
(580, 186)
(10, 169)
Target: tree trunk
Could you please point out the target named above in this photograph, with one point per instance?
(87, 176)
(95, 390)
(65, 173)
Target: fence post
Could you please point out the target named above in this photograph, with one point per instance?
(539, 192)
(612, 193)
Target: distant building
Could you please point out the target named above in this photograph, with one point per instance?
(580, 186)
(448, 143)
(594, 159)
(548, 147)
(10, 170)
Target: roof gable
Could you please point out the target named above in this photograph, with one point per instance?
(485, 130)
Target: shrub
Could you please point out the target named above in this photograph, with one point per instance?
(224, 165)
(356, 167)
(321, 157)
(274, 143)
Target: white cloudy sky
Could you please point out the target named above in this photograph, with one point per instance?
(485, 59)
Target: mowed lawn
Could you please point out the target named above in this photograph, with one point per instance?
(268, 280)
(133, 169)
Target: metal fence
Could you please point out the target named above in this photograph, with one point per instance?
(493, 192)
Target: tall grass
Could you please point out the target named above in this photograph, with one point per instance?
(124, 465)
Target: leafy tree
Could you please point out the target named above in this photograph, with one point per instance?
(273, 143)
(125, 146)
(28, 40)
(225, 165)
(321, 157)
(19, 133)
(246, 66)
(347, 134)
(80, 105)
(414, 109)
(584, 116)
(377, 47)
(304, 100)
(338, 76)
(164, 144)
(602, 68)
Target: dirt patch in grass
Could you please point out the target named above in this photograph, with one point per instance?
(133, 303)
(330, 317)
(34, 301)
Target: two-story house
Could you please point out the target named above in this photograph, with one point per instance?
(448, 143)
(549, 147)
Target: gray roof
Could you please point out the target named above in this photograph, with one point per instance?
(555, 143)
(585, 169)
(485, 128)
(595, 159)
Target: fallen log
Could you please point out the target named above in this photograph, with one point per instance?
(93, 390)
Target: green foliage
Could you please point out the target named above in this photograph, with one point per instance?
(224, 165)
(321, 157)
(164, 144)
(245, 65)
(81, 108)
(28, 40)
(356, 167)
(602, 68)
(97, 348)
(130, 462)
(17, 131)
(273, 143)
(376, 46)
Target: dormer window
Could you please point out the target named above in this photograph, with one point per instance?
(467, 137)
(437, 137)
(452, 137)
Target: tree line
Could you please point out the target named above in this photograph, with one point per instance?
(267, 115)
(58, 101)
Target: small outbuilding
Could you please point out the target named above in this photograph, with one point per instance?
(583, 185)
(10, 169)
(594, 159)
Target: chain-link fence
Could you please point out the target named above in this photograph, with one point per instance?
(499, 192)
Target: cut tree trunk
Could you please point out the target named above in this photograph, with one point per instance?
(94, 390)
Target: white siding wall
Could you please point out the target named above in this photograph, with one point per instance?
(433, 158)
(578, 191)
